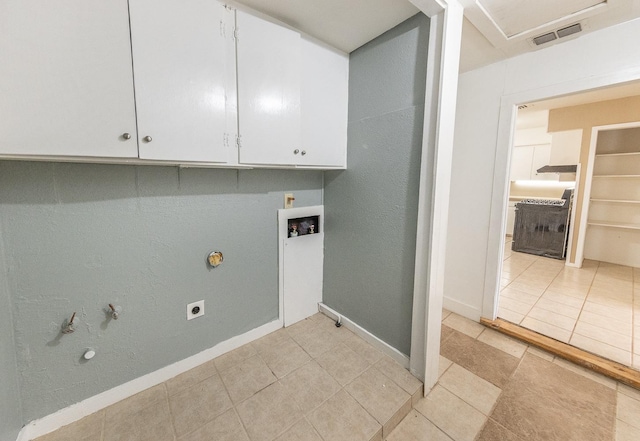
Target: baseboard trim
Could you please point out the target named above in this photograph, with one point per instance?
(366, 335)
(462, 309)
(98, 402)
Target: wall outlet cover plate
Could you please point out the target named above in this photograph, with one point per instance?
(288, 200)
(195, 310)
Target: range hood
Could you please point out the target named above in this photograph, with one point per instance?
(558, 169)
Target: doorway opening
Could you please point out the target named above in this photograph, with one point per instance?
(589, 296)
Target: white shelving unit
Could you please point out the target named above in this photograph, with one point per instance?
(613, 232)
(615, 225)
(615, 201)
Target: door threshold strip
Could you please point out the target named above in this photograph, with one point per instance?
(596, 363)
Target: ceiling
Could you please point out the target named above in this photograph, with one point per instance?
(498, 29)
(536, 114)
(493, 29)
(343, 24)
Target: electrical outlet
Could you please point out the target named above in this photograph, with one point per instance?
(288, 200)
(195, 309)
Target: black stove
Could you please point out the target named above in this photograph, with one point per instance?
(554, 202)
(542, 226)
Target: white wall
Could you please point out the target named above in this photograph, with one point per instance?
(486, 109)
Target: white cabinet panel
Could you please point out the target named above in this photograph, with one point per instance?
(565, 147)
(181, 53)
(268, 92)
(303, 261)
(324, 105)
(521, 160)
(532, 136)
(541, 156)
(526, 160)
(66, 84)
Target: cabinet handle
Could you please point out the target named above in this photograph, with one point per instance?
(296, 151)
(126, 136)
(147, 139)
(303, 153)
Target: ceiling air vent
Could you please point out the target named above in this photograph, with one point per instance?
(569, 30)
(558, 33)
(545, 38)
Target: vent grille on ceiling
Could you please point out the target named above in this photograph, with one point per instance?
(559, 33)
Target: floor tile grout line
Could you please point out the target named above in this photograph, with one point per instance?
(342, 388)
(520, 273)
(573, 332)
(233, 405)
(244, 429)
(455, 394)
(436, 425)
(304, 417)
(104, 420)
(171, 416)
(584, 302)
(539, 297)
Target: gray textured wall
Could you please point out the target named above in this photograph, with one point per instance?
(371, 208)
(10, 402)
(80, 236)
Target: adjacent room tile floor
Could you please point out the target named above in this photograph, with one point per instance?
(516, 393)
(595, 308)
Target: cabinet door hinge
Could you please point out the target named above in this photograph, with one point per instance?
(239, 141)
(223, 30)
(236, 33)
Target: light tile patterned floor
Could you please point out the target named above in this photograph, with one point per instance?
(491, 388)
(596, 307)
(309, 382)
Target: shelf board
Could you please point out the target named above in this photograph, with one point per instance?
(616, 201)
(616, 176)
(617, 154)
(614, 225)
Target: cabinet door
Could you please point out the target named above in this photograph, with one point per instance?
(324, 105)
(268, 92)
(66, 84)
(181, 50)
(541, 157)
(521, 159)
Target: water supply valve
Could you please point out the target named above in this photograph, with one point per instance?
(68, 327)
(114, 311)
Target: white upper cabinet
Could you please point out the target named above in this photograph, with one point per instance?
(525, 161)
(269, 66)
(142, 80)
(324, 105)
(184, 70)
(66, 84)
